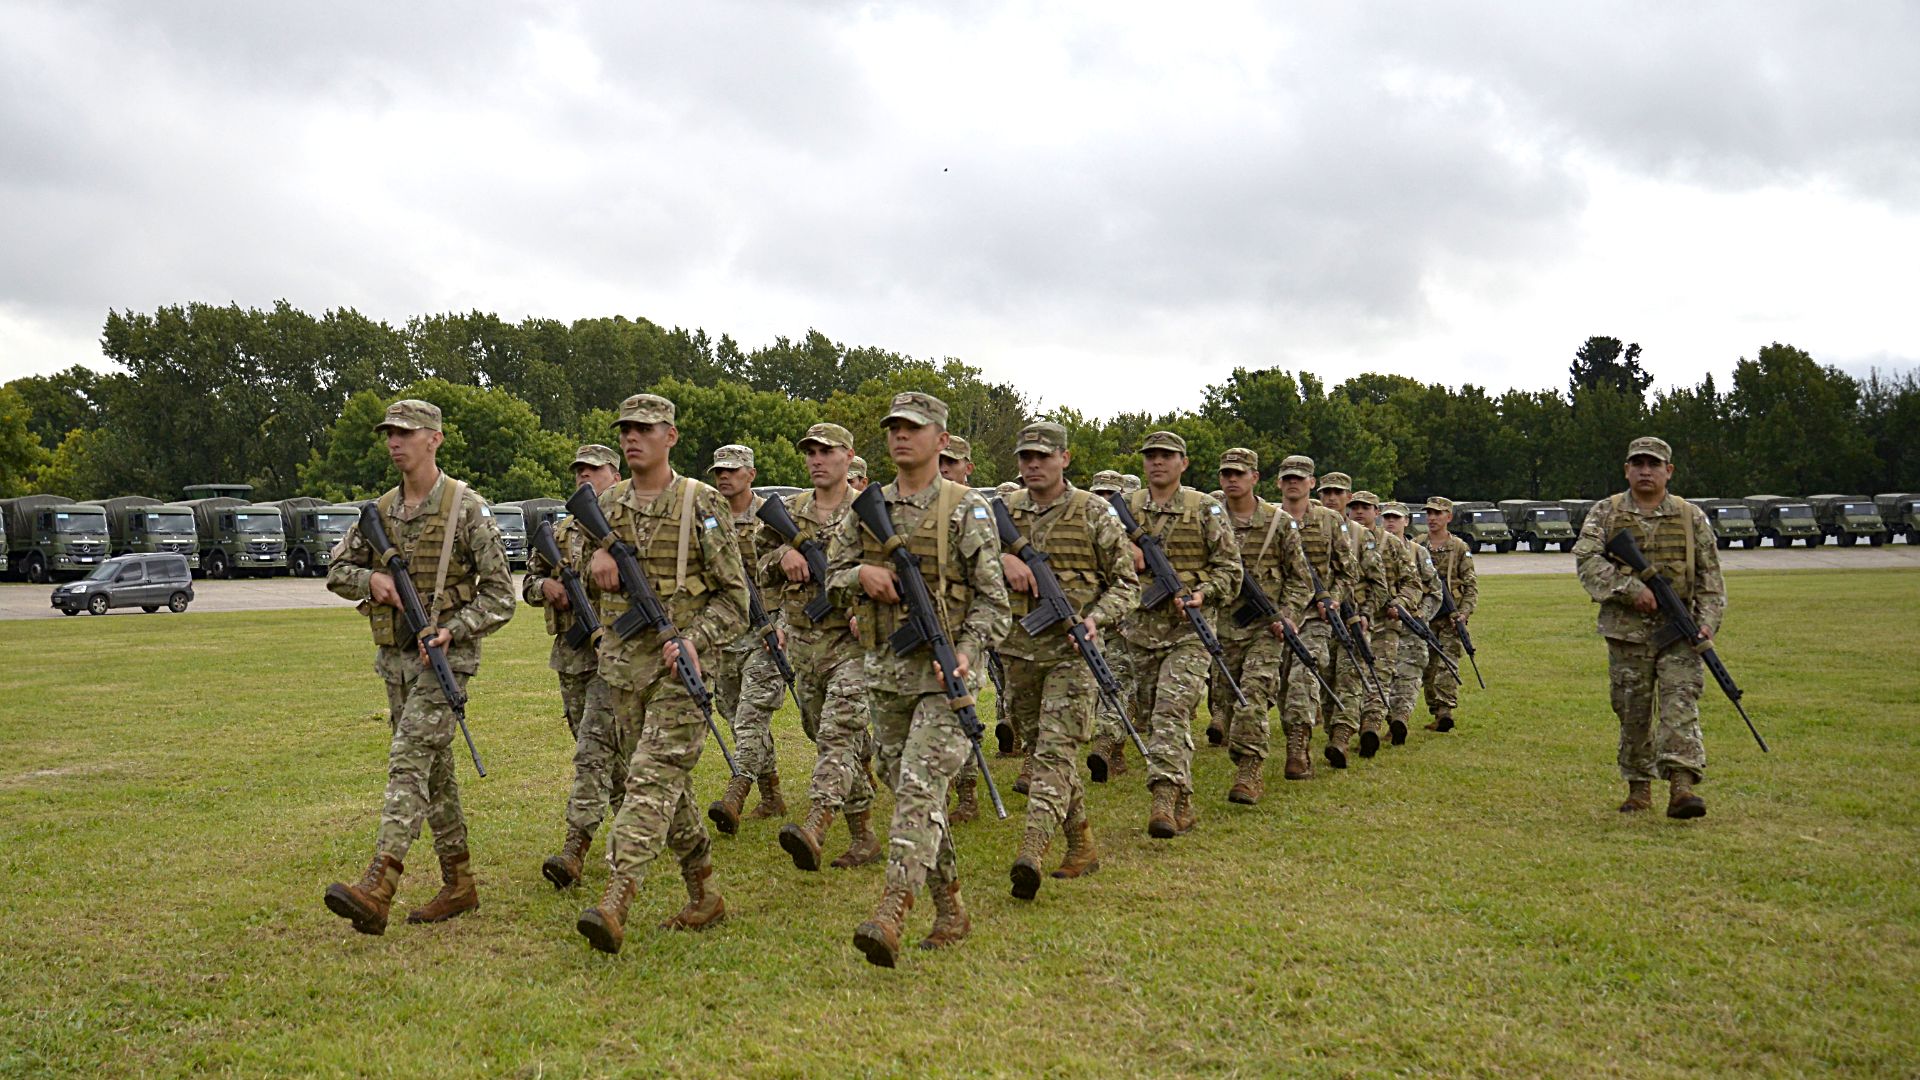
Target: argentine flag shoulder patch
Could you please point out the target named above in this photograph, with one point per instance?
(980, 513)
(712, 523)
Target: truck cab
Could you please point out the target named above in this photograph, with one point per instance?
(313, 528)
(1537, 524)
(1848, 518)
(512, 522)
(238, 537)
(1783, 520)
(1732, 522)
(1901, 512)
(1481, 524)
(52, 536)
(139, 525)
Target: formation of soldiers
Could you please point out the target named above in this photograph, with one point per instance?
(1317, 606)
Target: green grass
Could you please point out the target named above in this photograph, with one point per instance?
(176, 792)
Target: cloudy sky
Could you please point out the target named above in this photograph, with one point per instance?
(1109, 204)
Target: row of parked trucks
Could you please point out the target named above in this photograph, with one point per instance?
(1845, 519)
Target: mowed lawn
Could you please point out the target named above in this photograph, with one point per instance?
(176, 791)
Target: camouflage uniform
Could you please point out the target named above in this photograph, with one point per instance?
(1410, 657)
(1400, 585)
(1648, 674)
(1350, 681)
(1454, 563)
(747, 685)
(1324, 540)
(1107, 730)
(1269, 542)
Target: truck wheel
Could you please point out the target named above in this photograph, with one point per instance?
(1720, 542)
(1473, 547)
(1504, 546)
(1913, 536)
(300, 564)
(1877, 539)
(1816, 540)
(1750, 542)
(1536, 545)
(177, 603)
(36, 569)
(217, 565)
(98, 605)
(1847, 539)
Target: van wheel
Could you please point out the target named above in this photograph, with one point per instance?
(177, 603)
(1536, 545)
(300, 564)
(98, 605)
(36, 569)
(217, 566)
(149, 608)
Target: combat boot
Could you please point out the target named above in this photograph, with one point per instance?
(1101, 755)
(1216, 731)
(1024, 782)
(726, 812)
(564, 869)
(1369, 738)
(704, 905)
(457, 894)
(863, 847)
(1442, 720)
(367, 901)
(1337, 748)
(1160, 816)
(1026, 867)
(1639, 796)
(1681, 801)
(879, 936)
(967, 806)
(803, 841)
(1397, 732)
(950, 922)
(1299, 762)
(770, 804)
(604, 926)
(1185, 817)
(1247, 783)
(1082, 857)
(1009, 740)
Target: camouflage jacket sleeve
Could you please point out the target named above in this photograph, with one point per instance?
(990, 617)
(843, 563)
(1429, 580)
(1370, 581)
(350, 566)
(1344, 561)
(724, 616)
(1709, 602)
(1110, 545)
(1222, 576)
(1603, 579)
(1468, 586)
(1298, 590)
(492, 603)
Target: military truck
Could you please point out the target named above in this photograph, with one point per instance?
(238, 537)
(1783, 520)
(139, 525)
(51, 535)
(313, 528)
(1416, 523)
(512, 523)
(553, 511)
(1901, 512)
(1481, 524)
(1536, 523)
(1577, 512)
(1848, 518)
(1732, 522)
(243, 492)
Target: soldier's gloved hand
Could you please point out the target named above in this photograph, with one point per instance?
(604, 571)
(878, 582)
(794, 565)
(555, 594)
(441, 638)
(380, 585)
(1019, 575)
(961, 666)
(1645, 602)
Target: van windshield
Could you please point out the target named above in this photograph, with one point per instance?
(259, 523)
(171, 524)
(105, 571)
(79, 523)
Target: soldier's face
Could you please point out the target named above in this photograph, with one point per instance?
(1334, 499)
(1362, 513)
(601, 477)
(1648, 475)
(1296, 487)
(645, 446)
(1042, 472)
(410, 447)
(957, 471)
(827, 465)
(1164, 467)
(1395, 524)
(1237, 483)
(731, 482)
(912, 446)
(1438, 519)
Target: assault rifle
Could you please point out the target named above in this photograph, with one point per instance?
(1167, 585)
(414, 614)
(922, 629)
(1459, 629)
(1053, 607)
(646, 613)
(1365, 649)
(1257, 607)
(997, 674)
(774, 513)
(1418, 628)
(585, 629)
(758, 619)
(1680, 625)
(1336, 620)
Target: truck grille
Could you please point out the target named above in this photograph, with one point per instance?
(265, 547)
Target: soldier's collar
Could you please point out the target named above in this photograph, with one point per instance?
(647, 505)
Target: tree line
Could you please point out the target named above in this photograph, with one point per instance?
(285, 400)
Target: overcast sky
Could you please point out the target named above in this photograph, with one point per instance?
(1110, 204)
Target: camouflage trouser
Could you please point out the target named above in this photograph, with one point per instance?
(1385, 640)
(1348, 682)
(1120, 658)
(921, 750)
(1302, 689)
(1409, 662)
(1055, 699)
(575, 699)
(602, 746)
(659, 811)
(420, 782)
(1256, 663)
(1168, 681)
(1669, 684)
(1443, 686)
(832, 692)
(747, 689)
(1220, 703)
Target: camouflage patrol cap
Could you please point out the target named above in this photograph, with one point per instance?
(1007, 488)
(1393, 509)
(1043, 437)
(1336, 481)
(917, 408)
(732, 456)
(412, 414)
(1648, 446)
(1106, 481)
(958, 449)
(857, 468)
(1363, 498)
(1129, 482)
(827, 435)
(593, 455)
(1296, 465)
(645, 409)
(1240, 459)
(1436, 502)
(1164, 440)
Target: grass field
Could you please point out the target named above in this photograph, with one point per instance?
(175, 792)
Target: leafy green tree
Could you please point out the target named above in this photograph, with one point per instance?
(21, 454)
(1799, 423)
(493, 441)
(1890, 417)
(61, 402)
(710, 417)
(1603, 361)
(1535, 421)
(1693, 420)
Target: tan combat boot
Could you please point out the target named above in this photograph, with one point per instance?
(950, 922)
(1442, 720)
(1082, 857)
(1026, 866)
(803, 841)
(1024, 782)
(879, 936)
(726, 812)
(1160, 816)
(967, 806)
(564, 869)
(863, 846)
(1369, 738)
(1397, 732)
(1247, 783)
(1299, 762)
(366, 902)
(771, 804)
(1336, 750)
(1681, 801)
(605, 925)
(1185, 817)
(704, 905)
(1101, 754)
(1639, 796)
(457, 894)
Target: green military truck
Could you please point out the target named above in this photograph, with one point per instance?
(238, 537)
(313, 528)
(1783, 520)
(1732, 522)
(1416, 523)
(3, 545)
(51, 535)
(512, 523)
(1576, 512)
(1848, 519)
(1536, 524)
(552, 511)
(1901, 512)
(139, 525)
(1481, 524)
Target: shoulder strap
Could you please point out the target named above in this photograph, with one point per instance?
(450, 521)
(1273, 530)
(686, 533)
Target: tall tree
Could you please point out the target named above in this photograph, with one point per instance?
(1602, 361)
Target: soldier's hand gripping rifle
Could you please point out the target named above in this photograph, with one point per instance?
(762, 624)
(414, 614)
(1053, 607)
(1167, 585)
(585, 629)
(1336, 620)
(1257, 607)
(1419, 628)
(922, 629)
(1446, 612)
(1680, 625)
(774, 513)
(646, 612)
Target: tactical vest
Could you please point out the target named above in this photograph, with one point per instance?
(1446, 563)
(1666, 541)
(744, 530)
(423, 565)
(1185, 540)
(794, 598)
(1068, 541)
(946, 579)
(1317, 536)
(666, 550)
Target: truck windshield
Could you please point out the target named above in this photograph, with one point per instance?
(79, 523)
(259, 523)
(1551, 515)
(172, 524)
(1798, 512)
(1488, 517)
(1860, 509)
(510, 521)
(334, 523)
(1733, 513)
